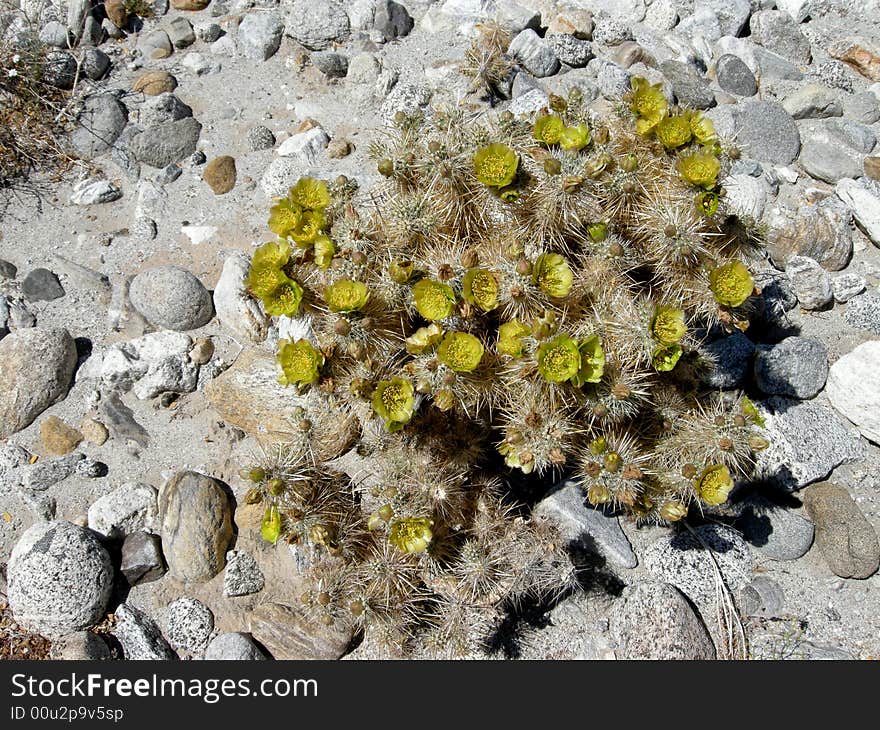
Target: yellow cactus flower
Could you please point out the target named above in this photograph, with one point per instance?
(707, 203)
(393, 402)
(274, 254)
(434, 300)
(423, 339)
(284, 217)
(559, 359)
(496, 165)
(299, 361)
(270, 526)
(750, 411)
(552, 274)
(510, 338)
(460, 352)
(702, 128)
(667, 325)
(665, 358)
(309, 227)
(284, 299)
(574, 139)
(714, 484)
(592, 361)
(699, 169)
(731, 284)
(310, 194)
(648, 104)
(263, 280)
(411, 534)
(346, 296)
(480, 287)
(548, 128)
(673, 132)
(324, 249)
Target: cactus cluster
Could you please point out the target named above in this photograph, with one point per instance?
(516, 297)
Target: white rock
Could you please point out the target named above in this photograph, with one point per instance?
(864, 204)
(529, 103)
(810, 282)
(127, 509)
(237, 310)
(853, 387)
(91, 192)
(198, 235)
(846, 286)
(200, 65)
(534, 53)
(281, 175)
(745, 196)
(307, 146)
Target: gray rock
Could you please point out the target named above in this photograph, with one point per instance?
(734, 76)
(94, 192)
(54, 34)
(156, 44)
(864, 204)
(162, 108)
(613, 80)
(846, 286)
(822, 232)
(243, 575)
(566, 507)
(774, 67)
(863, 107)
(181, 33)
(863, 311)
(166, 143)
(120, 421)
(777, 532)
(392, 20)
(189, 625)
(59, 69)
(570, 50)
(316, 26)
(172, 298)
(38, 477)
(777, 30)
(732, 14)
(8, 270)
(196, 526)
(690, 89)
(766, 132)
(535, 54)
(683, 561)
(854, 389)
(126, 510)
(234, 646)
(280, 176)
(406, 98)
(288, 633)
(95, 63)
(809, 281)
(807, 441)
(140, 637)
(797, 366)
(207, 31)
(142, 559)
(36, 367)
(99, 124)
(611, 31)
(60, 578)
(813, 101)
(260, 138)
(825, 156)
(259, 34)
(81, 646)
(843, 534)
(763, 597)
(41, 285)
(333, 65)
(655, 621)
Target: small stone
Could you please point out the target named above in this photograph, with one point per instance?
(55, 34)
(613, 80)
(260, 138)
(827, 155)
(864, 204)
(766, 132)
(655, 621)
(41, 285)
(777, 532)
(732, 14)
(171, 297)
(863, 107)
(94, 63)
(778, 30)
(843, 534)
(142, 559)
(280, 176)
(854, 389)
(236, 309)
(734, 76)
(190, 623)
(59, 69)
(202, 351)
(82, 646)
(243, 575)
(534, 53)
(571, 51)
(689, 87)
(316, 26)
(220, 173)
(763, 597)
(863, 311)
(259, 35)
(332, 65)
(208, 32)
(363, 68)
(822, 232)
(191, 5)
(813, 101)
(732, 356)
(234, 647)
(339, 148)
(139, 635)
(166, 143)
(57, 437)
(810, 282)
(797, 366)
(128, 509)
(181, 33)
(155, 45)
(307, 146)
(846, 286)
(289, 634)
(94, 192)
(578, 23)
(611, 31)
(116, 12)
(99, 124)
(392, 20)
(162, 108)
(8, 270)
(872, 167)
(94, 431)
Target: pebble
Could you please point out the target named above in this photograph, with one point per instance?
(363, 68)
(260, 138)
(864, 204)
(863, 107)
(316, 26)
(846, 286)
(94, 431)
(94, 192)
(534, 53)
(142, 559)
(155, 45)
(191, 5)
(776, 29)
(94, 63)
(827, 155)
(307, 146)
(140, 637)
(766, 132)
(60, 578)
(570, 50)
(181, 33)
(202, 351)
(843, 534)
(810, 282)
(259, 35)
(863, 311)
(288, 633)
(822, 232)
(208, 32)
(332, 65)
(128, 509)
(655, 621)
(776, 532)
(813, 101)
(81, 646)
(41, 285)
(732, 14)
(166, 143)
(732, 356)
(797, 366)
(690, 89)
(36, 367)
(243, 575)
(234, 646)
(189, 625)
(220, 174)
(734, 76)
(854, 389)
(156, 110)
(196, 526)
(171, 297)
(59, 69)
(237, 310)
(57, 437)
(392, 20)
(763, 597)
(8, 270)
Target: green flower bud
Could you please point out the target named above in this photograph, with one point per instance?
(666, 358)
(270, 527)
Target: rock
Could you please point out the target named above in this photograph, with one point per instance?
(766, 132)
(41, 285)
(259, 35)
(236, 309)
(155, 45)
(196, 526)
(180, 32)
(281, 175)
(821, 232)
(202, 351)
(611, 31)
(828, 154)
(219, 173)
(94, 431)
(316, 26)
(57, 437)
(59, 578)
(406, 98)
(578, 522)
(813, 101)
(810, 282)
(569, 50)
(843, 535)
(8, 270)
(289, 634)
(777, 532)
(36, 367)
(243, 575)
(529, 104)
(260, 138)
(234, 646)
(732, 356)
(846, 286)
(578, 23)
(165, 143)
(208, 32)
(332, 65)
(94, 63)
(48, 472)
(734, 76)
(200, 65)
(763, 597)
(189, 625)
(339, 148)
(655, 621)
(116, 12)
(55, 34)
(191, 5)
(613, 80)
(778, 30)
(745, 196)
(863, 311)
(732, 14)
(534, 53)
(863, 107)
(865, 206)
(82, 646)
(307, 146)
(807, 441)
(142, 559)
(171, 297)
(162, 108)
(872, 167)
(94, 192)
(139, 635)
(854, 390)
(797, 366)
(59, 69)
(392, 20)
(126, 510)
(689, 87)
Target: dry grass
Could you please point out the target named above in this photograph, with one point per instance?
(16, 642)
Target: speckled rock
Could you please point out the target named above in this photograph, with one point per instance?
(140, 637)
(316, 26)
(854, 388)
(128, 509)
(189, 625)
(774, 530)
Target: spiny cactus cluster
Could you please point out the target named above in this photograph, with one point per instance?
(516, 295)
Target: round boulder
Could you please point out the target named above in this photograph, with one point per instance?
(172, 298)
